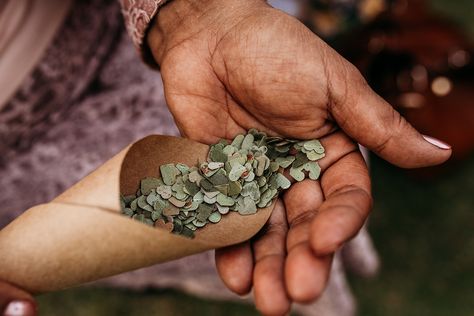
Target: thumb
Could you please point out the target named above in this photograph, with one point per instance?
(372, 122)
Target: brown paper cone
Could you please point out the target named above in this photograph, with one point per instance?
(80, 236)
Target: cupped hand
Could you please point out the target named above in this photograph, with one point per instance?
(228, 66)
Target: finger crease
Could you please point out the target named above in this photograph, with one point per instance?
(278, 254)
(278, 229)
(300, 243)
(303, 217)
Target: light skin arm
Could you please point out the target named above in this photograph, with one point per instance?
(228, 66)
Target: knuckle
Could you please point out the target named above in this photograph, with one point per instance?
(395, 124)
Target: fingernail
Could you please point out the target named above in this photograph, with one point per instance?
(436, 142)
(20, 308)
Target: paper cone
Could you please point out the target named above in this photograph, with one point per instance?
(81, 236)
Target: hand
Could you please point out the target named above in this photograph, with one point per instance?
(228, 66)
(15, 302)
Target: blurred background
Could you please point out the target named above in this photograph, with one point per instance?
(417, 55)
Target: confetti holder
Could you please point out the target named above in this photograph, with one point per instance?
(80, 236)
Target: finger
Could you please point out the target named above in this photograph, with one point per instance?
(367, 118)
(305, 274)
(235, 266)
(269, 252)
(346, 186)
(14, 301)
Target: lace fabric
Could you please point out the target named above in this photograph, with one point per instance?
(138, 15)
(89, 97)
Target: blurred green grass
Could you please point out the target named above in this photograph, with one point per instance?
(459, 11)
(423, 231)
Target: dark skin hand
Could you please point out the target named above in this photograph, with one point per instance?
(228, 66)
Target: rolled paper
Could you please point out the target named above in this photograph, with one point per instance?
(80, 236)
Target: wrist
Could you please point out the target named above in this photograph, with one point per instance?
(180, 20)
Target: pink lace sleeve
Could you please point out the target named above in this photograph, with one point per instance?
(138, 14)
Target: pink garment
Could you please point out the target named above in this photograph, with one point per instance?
(138, 14)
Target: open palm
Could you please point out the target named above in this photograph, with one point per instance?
(228, 67)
